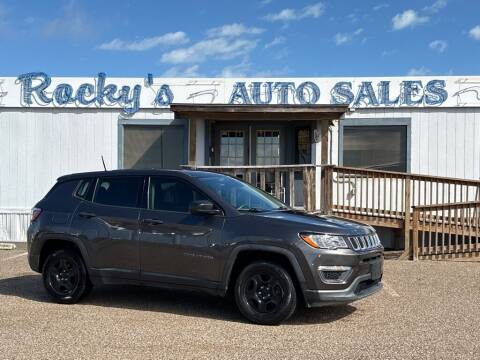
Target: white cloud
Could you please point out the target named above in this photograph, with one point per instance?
(343, 38)
(390, 52)
(409, 18)
(174, 38)
(73, 22)
(192, 71)
(233, 30)
(281, 72)
(276, 41)
(438, 45)
(239, 70)
(475, 32)
(220, 48)
(421, 71)
(313, 11)
(265, 2)
(436, 6)
(380, 7)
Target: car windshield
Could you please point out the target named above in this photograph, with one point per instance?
(242, 196)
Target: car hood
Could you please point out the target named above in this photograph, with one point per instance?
(319, 223)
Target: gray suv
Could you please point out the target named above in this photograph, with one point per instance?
(202, 231)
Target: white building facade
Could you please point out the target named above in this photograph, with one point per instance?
(54, 126)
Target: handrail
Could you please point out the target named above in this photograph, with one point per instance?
(407, 175)
(458, 205)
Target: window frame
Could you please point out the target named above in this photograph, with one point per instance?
(80, 182)
(146, 197)
(407, 122)
(141, 188)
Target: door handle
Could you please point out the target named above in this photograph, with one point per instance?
(152, 221)
(86, 215)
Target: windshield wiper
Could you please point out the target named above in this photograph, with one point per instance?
(252, 209)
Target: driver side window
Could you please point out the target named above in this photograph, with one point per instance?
(169, 194)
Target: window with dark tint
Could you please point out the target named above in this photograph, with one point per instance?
(171, 194)
(375, 147)
(149, 146)
(61, 198)
(85, 189)
(118, 191)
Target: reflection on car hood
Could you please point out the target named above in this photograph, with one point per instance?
(326, 224)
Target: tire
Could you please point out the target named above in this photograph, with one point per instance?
(65, 276)
(265, 293)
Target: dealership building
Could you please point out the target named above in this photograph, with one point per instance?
(51, 126)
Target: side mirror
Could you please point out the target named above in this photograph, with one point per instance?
(205, 207)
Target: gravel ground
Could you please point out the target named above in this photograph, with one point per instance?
(426, 310)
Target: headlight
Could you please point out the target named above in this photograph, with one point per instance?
(324, 241)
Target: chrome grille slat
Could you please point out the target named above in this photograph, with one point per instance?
(364, 242)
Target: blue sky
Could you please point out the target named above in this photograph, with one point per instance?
(240, 38)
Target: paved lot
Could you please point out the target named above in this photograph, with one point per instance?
(427, 310)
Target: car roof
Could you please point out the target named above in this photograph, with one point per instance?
(133, 172)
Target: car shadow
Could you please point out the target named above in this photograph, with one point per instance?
(179, 302)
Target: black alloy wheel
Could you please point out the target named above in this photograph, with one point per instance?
(65, 276)
(265, 293)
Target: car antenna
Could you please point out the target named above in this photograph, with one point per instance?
(103, 162)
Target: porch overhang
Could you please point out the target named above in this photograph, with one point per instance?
(258, 112)
(193, 112)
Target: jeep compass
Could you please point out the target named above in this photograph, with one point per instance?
(201, 231)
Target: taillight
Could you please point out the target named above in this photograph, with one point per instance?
(35, 214)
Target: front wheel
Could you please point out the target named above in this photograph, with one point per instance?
(265, 294)
(65, 276)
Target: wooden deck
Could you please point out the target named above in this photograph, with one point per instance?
(438, 216)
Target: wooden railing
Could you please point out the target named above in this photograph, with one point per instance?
(386, 198)
(293, 184)
(446, 230)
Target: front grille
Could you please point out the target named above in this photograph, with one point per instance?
(365, 242)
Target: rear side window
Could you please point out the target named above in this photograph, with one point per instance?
(119, 191)
(85, 189)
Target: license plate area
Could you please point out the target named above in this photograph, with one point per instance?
(376, 270)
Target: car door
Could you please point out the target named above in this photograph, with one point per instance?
(176, 246)
(108, 224)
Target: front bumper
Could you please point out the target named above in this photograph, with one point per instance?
(360, 288)
(364, 278)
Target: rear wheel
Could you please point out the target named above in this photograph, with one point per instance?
(265, 294)
(65, 276)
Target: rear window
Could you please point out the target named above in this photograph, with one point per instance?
(119, 191)
(85, 189)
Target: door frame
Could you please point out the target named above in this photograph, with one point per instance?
(147, 122)
(249, 128)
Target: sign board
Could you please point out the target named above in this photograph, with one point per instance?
(132, 94)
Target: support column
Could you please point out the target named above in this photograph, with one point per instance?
(323, 161)
(192, 142)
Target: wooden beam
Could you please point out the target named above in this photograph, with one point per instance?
(192, 142)
(324, 139)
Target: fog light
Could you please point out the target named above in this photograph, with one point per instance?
(334, 274)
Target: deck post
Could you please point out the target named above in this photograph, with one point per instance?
(407, 216)
(415, 221)
(324, 178)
